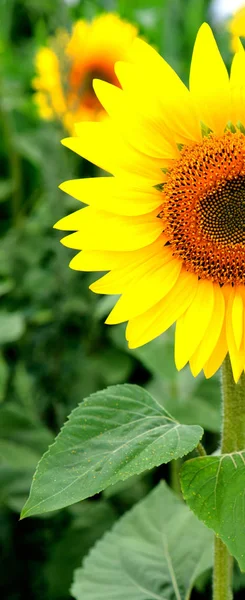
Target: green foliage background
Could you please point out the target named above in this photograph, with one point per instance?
(54, 348)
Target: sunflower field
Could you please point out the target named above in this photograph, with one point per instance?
(117, 509)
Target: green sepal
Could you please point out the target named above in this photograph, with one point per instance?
(241, 127)
(230, 127)
(159, 186)
(205, 130)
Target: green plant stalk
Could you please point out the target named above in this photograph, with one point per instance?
(233, 439)
(175, 466)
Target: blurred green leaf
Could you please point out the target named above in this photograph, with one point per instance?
(190, 400)
(12, 326)
(157, 356)
(6, 286)
(112, 435)
(23, 438)
(27, 146)
(17, 464)
(6, 189)
(4, 373)
(115, 366)
(188, 408)
(90, 521)
(6, 15)
(213, 486)
(157, 550)
(23, 428)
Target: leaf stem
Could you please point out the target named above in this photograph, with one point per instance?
(233, 435)
(233, 440)
(174, 476)
(222, 579)
(201, 450)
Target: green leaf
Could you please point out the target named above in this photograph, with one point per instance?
(213, 486)
(157, 356)
(17, 464)
(90, 521)
(115, 433)
(28, 147)
(4, 374)
(156, 551)
(189, 404)
(6, 189)
(6, 286)
(190, 400)
(11, 327)
(23, 428)
(23, 438)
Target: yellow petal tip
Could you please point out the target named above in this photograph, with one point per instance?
(65, 141)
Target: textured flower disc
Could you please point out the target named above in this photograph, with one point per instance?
(169, 225)
(66, 69)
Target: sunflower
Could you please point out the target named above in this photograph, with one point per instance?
(236, 27)
(169, 225)
(67, 68)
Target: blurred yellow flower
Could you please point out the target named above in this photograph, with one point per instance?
(66, 69)
(169, 225)
(236, 27)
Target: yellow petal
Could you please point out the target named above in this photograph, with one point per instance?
(143, 128)
(176, 108)
(151, 65)
(211, 336)
(209, 81)
(101, 144)
(142, 54)
(103, 260)
(160, 317)
(237, 318)
(131, 270)
(218, 355)
(237, 84)
(94, 260)
(236, 25)
(192, 325)
(114, 195)
(146, 290)
(237, 356)
(99, 230)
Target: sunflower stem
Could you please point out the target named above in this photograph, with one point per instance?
(233, 440)
(222, 579)
(233, 394)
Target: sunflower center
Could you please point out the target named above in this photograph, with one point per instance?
(222, 212)
(204, 208)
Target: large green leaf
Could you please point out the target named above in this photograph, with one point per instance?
(112, 435)
(214, 488)
(156, 551)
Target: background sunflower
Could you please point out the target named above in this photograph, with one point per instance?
(55, 349)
